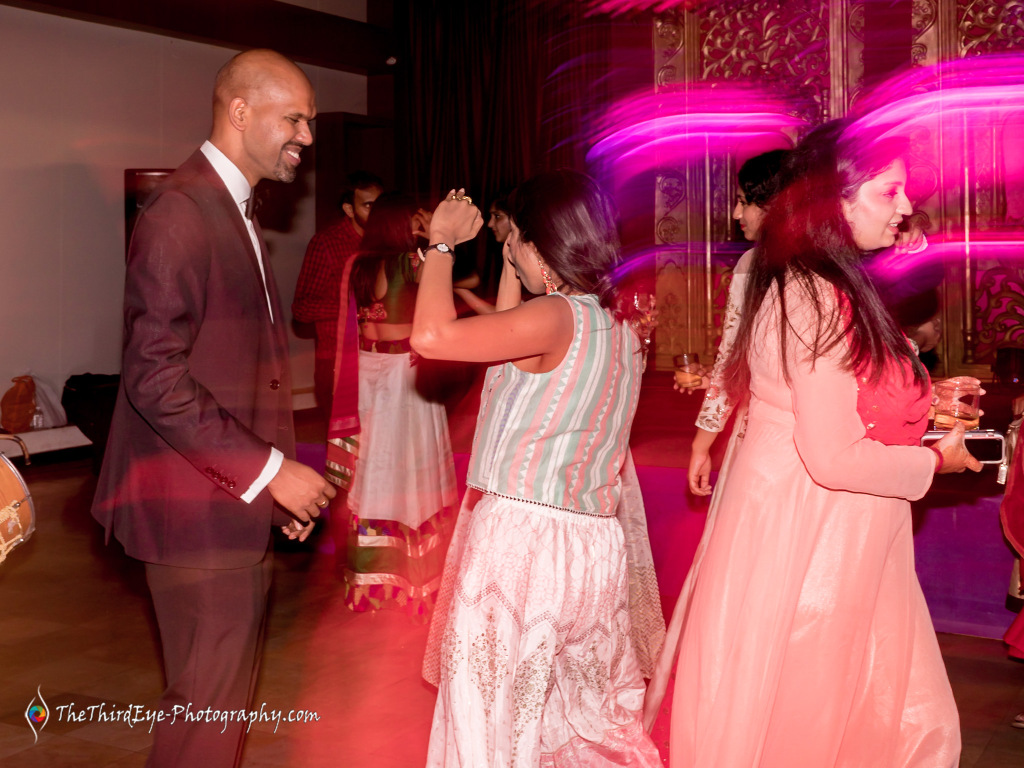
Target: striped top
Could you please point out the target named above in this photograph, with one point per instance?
(559, 438)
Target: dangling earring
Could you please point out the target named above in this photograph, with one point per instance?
(549, 284)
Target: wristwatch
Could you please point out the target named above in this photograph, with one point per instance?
(442, 247)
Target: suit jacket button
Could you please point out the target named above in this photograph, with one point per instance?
(275, 384)
(209, 471)
(231, 484)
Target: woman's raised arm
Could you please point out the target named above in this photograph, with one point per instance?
(536, 328)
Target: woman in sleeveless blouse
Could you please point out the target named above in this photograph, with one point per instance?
(535, 663)
(807, 642)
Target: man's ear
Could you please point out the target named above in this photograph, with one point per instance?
(238, 113)
(349, 210)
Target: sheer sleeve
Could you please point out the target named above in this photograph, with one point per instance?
(716, 409)
(830, 436)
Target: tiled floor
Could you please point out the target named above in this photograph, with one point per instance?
(75, 625)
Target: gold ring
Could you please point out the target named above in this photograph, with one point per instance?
(454, 197)
(468, 199)
(324, 504)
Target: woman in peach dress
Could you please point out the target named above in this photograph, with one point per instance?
(1011, 513)
(807, 642)
(759, 179)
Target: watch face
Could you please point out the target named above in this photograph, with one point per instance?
(442, 247)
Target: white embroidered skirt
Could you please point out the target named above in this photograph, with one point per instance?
(536, 663)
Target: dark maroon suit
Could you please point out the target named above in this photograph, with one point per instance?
(205, 392)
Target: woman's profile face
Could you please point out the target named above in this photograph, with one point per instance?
(499, 224)
(878, 208)
(748, 215)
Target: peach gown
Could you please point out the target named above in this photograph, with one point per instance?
(807, 641)
(1011, 513)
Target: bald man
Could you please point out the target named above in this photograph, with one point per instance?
(200, 463)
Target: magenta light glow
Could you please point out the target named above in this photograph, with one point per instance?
(639, 264)
(896, 263)
(646, 131)
(890, 265)
(615, 7)
(963, 94)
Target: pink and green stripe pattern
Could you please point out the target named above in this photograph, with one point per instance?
(559, 438)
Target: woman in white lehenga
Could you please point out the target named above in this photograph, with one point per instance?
(404, 493)
(536, 664)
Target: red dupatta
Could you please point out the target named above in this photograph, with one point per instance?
(344, 420)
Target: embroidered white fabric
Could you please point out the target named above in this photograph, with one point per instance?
(536, 666)
(716, 409)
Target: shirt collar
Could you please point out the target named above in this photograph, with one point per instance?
(233, 178)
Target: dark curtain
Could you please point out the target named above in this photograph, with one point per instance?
(492, 92)
(496, 91)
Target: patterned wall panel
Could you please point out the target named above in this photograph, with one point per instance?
(990, 26)
(781, 44)
(798, 50)
(990, 312)
(924, 20)
(810, 52)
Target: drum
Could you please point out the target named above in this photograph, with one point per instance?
(17, 513)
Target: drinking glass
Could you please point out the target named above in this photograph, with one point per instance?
(687, 370)
(647, 316)
(957, 399)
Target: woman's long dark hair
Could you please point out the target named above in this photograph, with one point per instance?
(572, 223)
(805, 238)
(760, 176)
(387, 240)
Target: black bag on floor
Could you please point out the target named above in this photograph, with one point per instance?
(89, 401)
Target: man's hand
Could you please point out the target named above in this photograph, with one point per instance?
(301, 491)
(297, 531)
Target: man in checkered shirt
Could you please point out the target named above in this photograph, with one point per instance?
(317, 294)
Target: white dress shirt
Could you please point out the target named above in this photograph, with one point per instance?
(240, 192)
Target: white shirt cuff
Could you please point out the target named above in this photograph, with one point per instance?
(269, 471)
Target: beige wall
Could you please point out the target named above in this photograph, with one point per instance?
(350, 9)
(79, 103)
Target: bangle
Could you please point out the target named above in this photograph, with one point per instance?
(942, 460)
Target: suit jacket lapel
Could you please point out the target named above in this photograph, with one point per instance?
(275, 298)
(254, 258)
(234, 215)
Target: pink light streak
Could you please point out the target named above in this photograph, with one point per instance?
(966, 94)
(896, 263)
(643, 132)
(618, 7)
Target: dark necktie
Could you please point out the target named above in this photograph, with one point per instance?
(250, 205)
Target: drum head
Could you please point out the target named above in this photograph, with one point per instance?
(17, 513)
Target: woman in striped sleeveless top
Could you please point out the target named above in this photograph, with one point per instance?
(535, 664)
